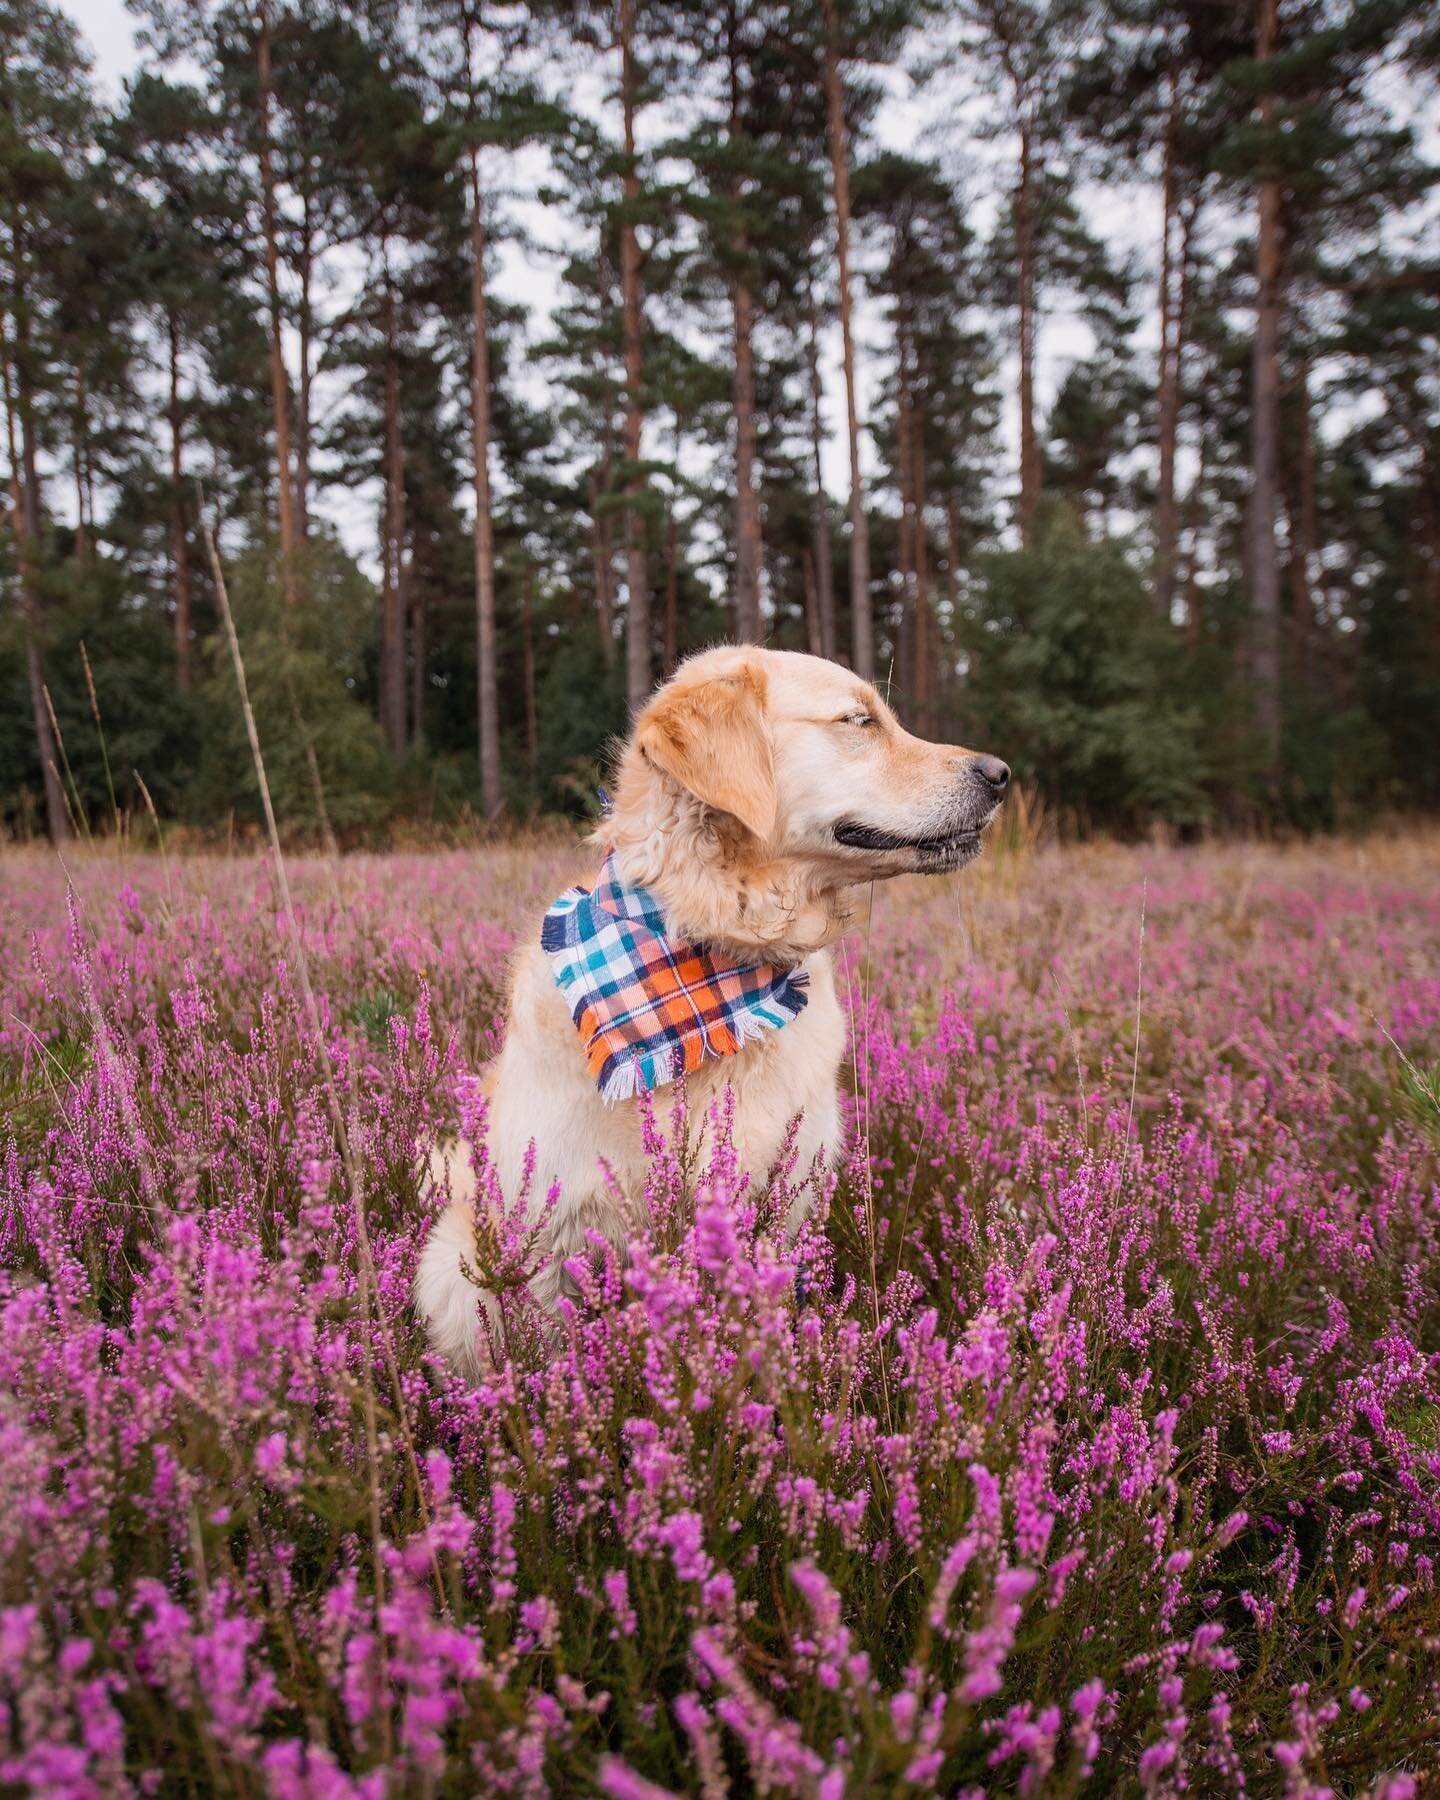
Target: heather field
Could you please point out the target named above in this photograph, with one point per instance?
(1088, 1441)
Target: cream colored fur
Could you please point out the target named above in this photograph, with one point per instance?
(727, 801)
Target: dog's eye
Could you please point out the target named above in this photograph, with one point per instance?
(857, 718)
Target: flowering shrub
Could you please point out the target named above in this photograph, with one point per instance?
(1088, 1439)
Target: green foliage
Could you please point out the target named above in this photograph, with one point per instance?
(137, 331)
(581, 706)
(373, 1013)
(305, 668)
(144, 724)
(1078, 683)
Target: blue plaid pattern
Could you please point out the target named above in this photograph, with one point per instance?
(649, 1008)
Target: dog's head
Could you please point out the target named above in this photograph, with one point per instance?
(758, 785)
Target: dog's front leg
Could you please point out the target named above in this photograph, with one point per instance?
(576, 1223)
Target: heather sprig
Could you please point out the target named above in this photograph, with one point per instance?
(1085, 1439)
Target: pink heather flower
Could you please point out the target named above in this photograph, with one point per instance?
(541, 1620)
(684, 1536)
(1154, 1761)
(903, 1709)
(923, 1769)
(620, 1782)
(617, 1592)
(1085, 1701)
(270, 1456)
(987, 1648)
(1020, 1387)
(957, 1560)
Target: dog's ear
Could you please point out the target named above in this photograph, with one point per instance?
(711, 737)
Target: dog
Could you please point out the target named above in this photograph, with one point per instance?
(758, 788)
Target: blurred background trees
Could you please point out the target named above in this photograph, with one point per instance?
(517, 350)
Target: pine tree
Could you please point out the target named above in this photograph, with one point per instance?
(929, 280)
(1024, 50)
(863, 30)
(755, 195)
(401, 193)
(302, 246)
(1316, 160)
(234, 43)
(45, 123)
(483, 112)
(185, 222)
(1148, 101)
(582, 355)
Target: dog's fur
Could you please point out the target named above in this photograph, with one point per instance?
(756, 790)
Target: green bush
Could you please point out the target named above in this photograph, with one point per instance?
(580, 709)
(1079, 685)
(147, 724)
(306, 673)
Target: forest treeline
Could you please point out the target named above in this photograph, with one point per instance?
(260, 288)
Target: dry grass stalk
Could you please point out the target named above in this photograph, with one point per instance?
(369, 1285)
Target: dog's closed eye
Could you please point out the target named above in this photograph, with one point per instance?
(857, 718)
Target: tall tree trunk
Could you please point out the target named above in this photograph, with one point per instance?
(1264, 440)
(748, 628)
(419, 657)
(1427, 535)
(1167, 512)
(748, 550)
(862, 635)
(1191, 588)
(672, 586)
(1303, 510)
(824, 572)
(80, 456)
(306, 325)
(25, 514)
(279, 386)
(953, 679)
(492, 793)
(637, 574)
(603, 573)
(392, 613)
(904, 443)
(602, 538)
(1025, 261)
(952, 550)
(921, 686)
(90, 487)
(179, 548)
(527, 647)
(814, 637)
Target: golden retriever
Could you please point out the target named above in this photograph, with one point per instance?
(757, 789)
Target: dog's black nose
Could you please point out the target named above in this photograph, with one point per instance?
(994, 773)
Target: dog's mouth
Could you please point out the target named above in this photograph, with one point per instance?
(934, 852)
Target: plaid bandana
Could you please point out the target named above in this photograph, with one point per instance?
(648, 1008)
